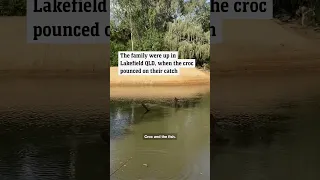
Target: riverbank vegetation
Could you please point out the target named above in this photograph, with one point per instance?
(305, 12)
(163, 25)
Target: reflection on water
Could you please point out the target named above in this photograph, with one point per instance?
(267, 128)
(57, 144)
(184, 158)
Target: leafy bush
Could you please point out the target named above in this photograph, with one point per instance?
(291, 6)
(13, 7)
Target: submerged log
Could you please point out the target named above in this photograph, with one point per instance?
(145, 107)
(175, 102)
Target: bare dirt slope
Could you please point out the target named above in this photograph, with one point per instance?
(263, 46)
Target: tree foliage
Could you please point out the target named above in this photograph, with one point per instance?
(13, 7)
(175, 25)
(190, 33)
(189, 39)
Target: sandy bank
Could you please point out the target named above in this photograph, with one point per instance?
(158, 92)
(261, 62)
(187, 76)
(252, 46)
(45, 93)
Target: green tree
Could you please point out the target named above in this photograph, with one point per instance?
(190, 33)
(149, 25)
(190, 40)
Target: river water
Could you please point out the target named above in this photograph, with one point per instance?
(269, 127)
(50, 129)
(187, 157)
(52, 144)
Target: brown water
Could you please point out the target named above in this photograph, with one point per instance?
(187, 157)
(270, 128)
(50, 129)
(52, 144)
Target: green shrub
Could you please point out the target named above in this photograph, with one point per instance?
(291, 6)
(13, 7)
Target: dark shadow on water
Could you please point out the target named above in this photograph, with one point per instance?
(244, 130)
(281, 143)
(53, 144)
